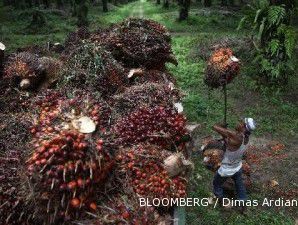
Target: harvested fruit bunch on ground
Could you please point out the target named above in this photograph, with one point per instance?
(144, 170)
(74, 39)
(145, 95)
(12, 206)
(137, 46)
(52, 69)
(14, 132)
(35, 49)
(64, 172)
(222, 68)
(11, 99)
(151, 76)
(25, 69)
(122, 209)
(147, 24)
(83, 112)
(93, 68)
(159, 125)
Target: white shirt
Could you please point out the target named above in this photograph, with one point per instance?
(232, 161)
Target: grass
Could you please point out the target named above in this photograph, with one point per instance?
(276, 112)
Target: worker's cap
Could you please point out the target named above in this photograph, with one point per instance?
(2, 46)
(250, 124)
(234, 59)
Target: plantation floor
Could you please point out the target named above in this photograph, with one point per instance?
(275, 111)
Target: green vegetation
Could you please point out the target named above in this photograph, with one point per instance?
(274, 40)
(274, 109)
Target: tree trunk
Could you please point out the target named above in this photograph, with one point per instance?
(6, 2)
(184, 8)
(59, 4)
(82, 13)
(166, 4)
(38, 20)
(105, 5)
(207, 3)
(36, 3)
(224, 2)
(158, 2)
(46, 3)
(73, 8)
(28, 3)
(18, 4)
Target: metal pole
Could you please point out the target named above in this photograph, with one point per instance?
(225, 103)
(1, 62)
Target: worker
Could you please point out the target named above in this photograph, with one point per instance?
(231, 166)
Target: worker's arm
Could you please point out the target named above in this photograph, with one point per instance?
(223, 131)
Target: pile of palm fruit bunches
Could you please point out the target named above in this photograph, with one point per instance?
(85, 134)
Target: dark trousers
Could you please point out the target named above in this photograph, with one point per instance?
(218, 181)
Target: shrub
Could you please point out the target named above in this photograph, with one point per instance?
(274, 40)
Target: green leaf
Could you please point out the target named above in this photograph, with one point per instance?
(290, 42)
(276, 14)
(273, 47)
(242, 22)
(257, 15)
(261, 28)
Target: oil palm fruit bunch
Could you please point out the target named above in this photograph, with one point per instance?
(13, 210)
(142, 167)
(93, 68)
(140, 76)
(74, 39)
(71, 155)
(10, 98)
(148, 94)
(14, 131)
(25, 69)
(124, 209)
(222, 68)
(136, 45)
(159, 125)
(213, 158)
(56, 111)
(52, 69)
(64, 172)
(149, 25)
